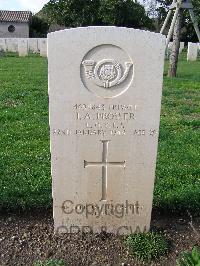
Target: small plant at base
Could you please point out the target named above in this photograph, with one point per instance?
(189, 258)
(51, 262)
(147, 246)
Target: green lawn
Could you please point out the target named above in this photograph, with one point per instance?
(24, 136)
(24, 132)
(178, 167)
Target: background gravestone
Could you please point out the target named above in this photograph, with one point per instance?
(181, 47)
(2, 44)
(33, 45)
(12, 45)
(192, 51)
(105, 86)
(42, 43)
(23, 47)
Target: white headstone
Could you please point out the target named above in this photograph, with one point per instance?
(33, 45)
(2, 44)
(23, 47)
(43, 47)
(169, 49)
(105, 86)
(181, 47)
(192, 51)
(12, 45)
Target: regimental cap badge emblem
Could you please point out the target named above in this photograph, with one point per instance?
(106, 73)
(107, 77)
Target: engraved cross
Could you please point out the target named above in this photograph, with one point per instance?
(104, 164)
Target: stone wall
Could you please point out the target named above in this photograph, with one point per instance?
(21, 30)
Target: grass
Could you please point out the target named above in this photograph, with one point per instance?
(178, 167)
(24, 133)
(24, 136)
(189, 258)
(147, 246)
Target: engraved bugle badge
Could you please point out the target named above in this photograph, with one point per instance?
(107, 72)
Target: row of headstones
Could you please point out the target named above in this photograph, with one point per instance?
(24, 45)
(192, 52)
(39, 46)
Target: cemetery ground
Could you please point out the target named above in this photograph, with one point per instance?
(26, 224)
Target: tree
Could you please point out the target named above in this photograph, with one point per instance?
(187, 31)
(124, 13)
(151, 7)
(175, 46)
(38, 27)
(79, 13)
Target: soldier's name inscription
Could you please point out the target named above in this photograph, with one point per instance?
(105, 120)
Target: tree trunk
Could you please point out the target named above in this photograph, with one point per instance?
(175, 46)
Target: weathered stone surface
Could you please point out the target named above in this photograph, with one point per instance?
(33, 45)
(105, 86)
(12, 45)
(2, 44)
(43, 47)
(181, 47)
(23, 47)
(192, 51)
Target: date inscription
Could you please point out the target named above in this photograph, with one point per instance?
(105, 120)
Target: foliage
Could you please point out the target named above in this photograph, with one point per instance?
(188, 32)
(124, 13)
(38, 28)
(78, 13)
(147, 246)
(51, 262)
(189, 258)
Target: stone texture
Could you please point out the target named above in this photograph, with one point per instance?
(33, 45)
(23, 47)
(105, 87)
(169, 49)
(181, 47)
(43, 47)
(192, 51)
(21, 30)
(2, 44)
(12, 45)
